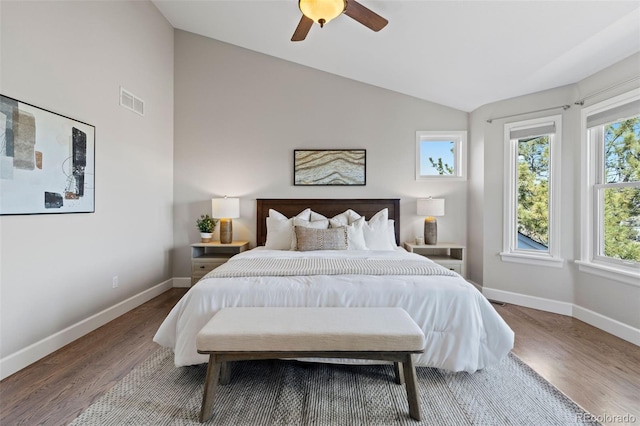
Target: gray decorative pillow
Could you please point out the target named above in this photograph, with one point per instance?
(321, 239)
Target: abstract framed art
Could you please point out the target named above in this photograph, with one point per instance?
(330, 167)
(47, 161)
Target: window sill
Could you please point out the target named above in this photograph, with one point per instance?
(553, 262)
(626, 276)
(443, 177)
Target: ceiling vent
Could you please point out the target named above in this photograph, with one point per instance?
(131, 102)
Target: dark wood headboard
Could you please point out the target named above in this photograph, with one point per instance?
(328, 207)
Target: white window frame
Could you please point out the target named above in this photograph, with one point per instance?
(510, 251)
(590, 261)
(459, 153)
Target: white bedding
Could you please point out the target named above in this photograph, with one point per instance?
(463, 331)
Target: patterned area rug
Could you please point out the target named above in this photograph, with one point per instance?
(297, 393)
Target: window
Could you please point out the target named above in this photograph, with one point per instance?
(611, 188)
(532, 186)
(441, 155)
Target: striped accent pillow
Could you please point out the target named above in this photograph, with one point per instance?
(321, 239)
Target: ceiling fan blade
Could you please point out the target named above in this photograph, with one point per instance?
(365, 16)
(302, 29)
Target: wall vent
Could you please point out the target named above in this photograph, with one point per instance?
(131, 102)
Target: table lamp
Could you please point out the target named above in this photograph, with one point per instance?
(430, 208)
(225, 209)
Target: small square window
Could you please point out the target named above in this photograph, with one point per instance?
(440, 155)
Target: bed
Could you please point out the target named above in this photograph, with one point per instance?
(463, 331)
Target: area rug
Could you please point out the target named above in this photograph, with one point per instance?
(277, 392)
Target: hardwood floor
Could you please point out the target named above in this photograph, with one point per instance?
(56, 389)
(598, 371)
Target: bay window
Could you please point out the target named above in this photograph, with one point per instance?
(611, 188)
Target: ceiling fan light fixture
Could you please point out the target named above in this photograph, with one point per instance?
(322, 11)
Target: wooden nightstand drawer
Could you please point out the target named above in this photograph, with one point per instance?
(456, 267)
(197, 276)
(449, 255)
(205, 257)
(206, 265)
(201, 267)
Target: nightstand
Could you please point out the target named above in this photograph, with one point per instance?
(449, 255)
(206, 257)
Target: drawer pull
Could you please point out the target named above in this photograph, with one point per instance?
(202, 267)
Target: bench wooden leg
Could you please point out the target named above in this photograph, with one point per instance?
(210, 384)
(412, 388)
(397, 367)
(225, 373)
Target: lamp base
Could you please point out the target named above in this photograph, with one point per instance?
(430, 231)
(226, 231)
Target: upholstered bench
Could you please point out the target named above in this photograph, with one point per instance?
(235, 334)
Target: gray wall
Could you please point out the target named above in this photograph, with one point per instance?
(240, 114)
(613, 299)
(71, 58)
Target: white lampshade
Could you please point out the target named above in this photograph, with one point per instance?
(322, 11)
(227, 208)
(430, 207)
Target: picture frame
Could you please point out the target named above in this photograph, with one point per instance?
(330, 167)
(47, 161)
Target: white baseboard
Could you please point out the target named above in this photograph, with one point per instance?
(610, 325)
(182, 282)
(32, 353)
(534, 302)
(617, 328)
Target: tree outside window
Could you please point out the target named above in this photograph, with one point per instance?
(441, 155)
(610, 190)
(533, 193)
(620, 189)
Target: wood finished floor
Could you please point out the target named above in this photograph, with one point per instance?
(597, 370)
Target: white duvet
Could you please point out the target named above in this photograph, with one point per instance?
(463, 332)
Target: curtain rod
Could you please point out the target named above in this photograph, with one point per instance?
(581, 101)
(564, 107)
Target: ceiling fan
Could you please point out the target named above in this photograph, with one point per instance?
(323, 11)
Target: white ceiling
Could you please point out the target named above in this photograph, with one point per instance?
(463, 54)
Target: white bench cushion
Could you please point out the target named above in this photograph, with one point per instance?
(310, 329)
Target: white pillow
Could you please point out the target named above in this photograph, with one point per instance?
(304, 214)
(278, 234)
(355, 235)
(376, 232)
(346, 218)
(316, 216)
(279, 229)
(316, 224)
(277, 215)
(392, 233)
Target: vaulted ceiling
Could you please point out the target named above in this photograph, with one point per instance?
(463, 54)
